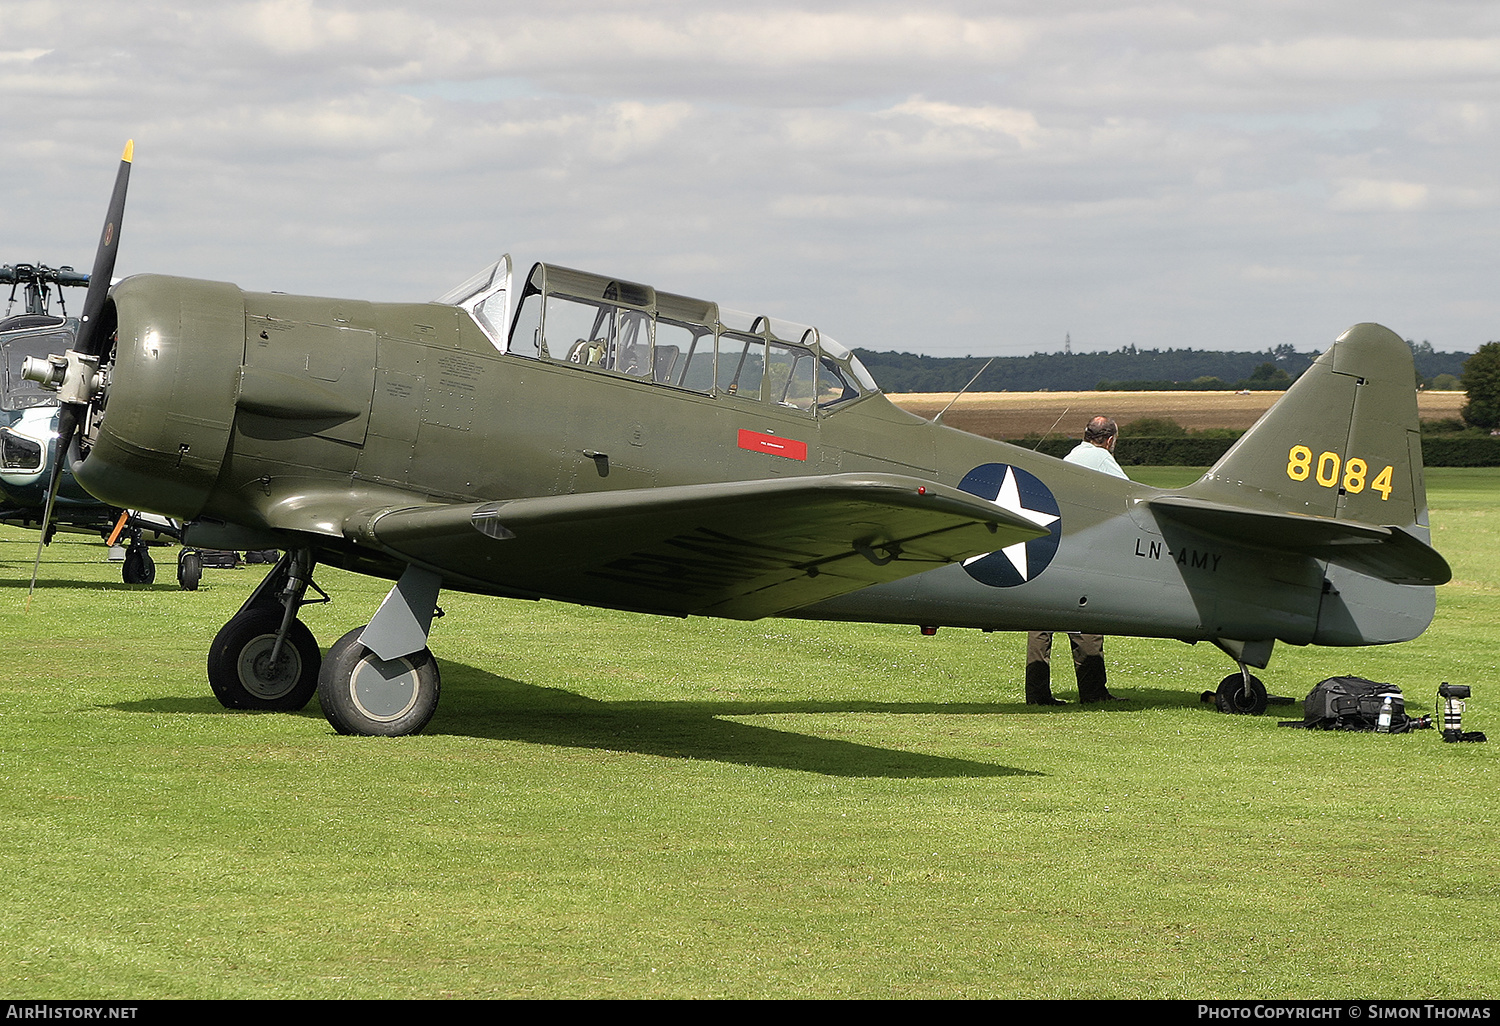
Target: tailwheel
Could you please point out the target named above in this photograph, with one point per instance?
(240, 669)
(1242, 694)
(363, 694)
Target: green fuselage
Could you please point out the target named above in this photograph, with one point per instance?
(275, 419)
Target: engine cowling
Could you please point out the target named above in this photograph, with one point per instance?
(170, 403)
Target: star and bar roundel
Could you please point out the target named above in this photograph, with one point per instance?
(1020, 492)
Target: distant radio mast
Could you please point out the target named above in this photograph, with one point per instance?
(1068, 344)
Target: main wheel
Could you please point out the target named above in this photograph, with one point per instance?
(364, 694)
(139, 567)
(240, 669)
(1234, 698)
(189, 569)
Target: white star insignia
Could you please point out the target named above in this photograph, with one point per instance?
(1009, 499)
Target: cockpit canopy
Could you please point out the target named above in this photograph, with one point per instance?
(618, 327)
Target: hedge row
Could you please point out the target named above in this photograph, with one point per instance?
(1145, 452)
(1437, 451)
(1462, 451)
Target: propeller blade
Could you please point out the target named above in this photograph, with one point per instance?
(70, 415)
(104, 260)
(67, 423)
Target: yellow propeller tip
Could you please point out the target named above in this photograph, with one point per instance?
(129, 153)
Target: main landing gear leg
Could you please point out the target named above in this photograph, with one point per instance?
(380, 680)
(265, 658)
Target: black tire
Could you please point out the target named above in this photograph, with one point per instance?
(238, 659)
(139, 567)
(1233, 698)
(189, 570)
(365, 695)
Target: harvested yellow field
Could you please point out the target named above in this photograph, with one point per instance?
(1017, 414)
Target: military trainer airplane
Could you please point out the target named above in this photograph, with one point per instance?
(573, 436)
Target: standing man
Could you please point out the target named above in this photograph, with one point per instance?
(1097, 452)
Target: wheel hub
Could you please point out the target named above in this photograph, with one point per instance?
(263, 678)
(384, 689)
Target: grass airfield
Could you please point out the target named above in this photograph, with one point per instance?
(613, 805)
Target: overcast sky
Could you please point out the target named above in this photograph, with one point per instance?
(945, 178)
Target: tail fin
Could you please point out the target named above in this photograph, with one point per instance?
(1333, 471)
(1344, 441)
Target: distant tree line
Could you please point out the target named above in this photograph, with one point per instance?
(1265, 378)
(1126, 368)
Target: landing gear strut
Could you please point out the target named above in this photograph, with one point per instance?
(265, 658)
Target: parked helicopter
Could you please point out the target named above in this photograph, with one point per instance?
(577, 437)
(28, 424)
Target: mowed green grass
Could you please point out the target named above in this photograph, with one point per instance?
(611, 805)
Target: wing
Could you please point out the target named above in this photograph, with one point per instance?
(1388, 553)
(744, 550)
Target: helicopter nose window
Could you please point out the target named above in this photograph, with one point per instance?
(17, 452)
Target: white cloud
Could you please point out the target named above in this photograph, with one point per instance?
(1263, 273)
(838, 207)
(631, 129)
(1366, 195)
(1018, 125)
(341, 125)
(1361, 59)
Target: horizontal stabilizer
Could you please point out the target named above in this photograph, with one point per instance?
(1387, 553)
(741, 549)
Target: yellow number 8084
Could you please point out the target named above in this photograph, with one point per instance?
(1299, 467)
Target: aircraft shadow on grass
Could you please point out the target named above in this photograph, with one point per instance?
(485, 705)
